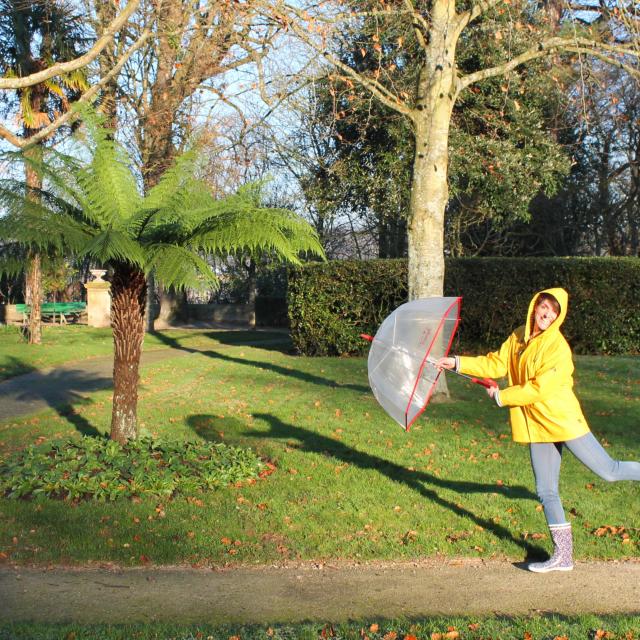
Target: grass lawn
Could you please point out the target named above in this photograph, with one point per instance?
(72, 343)
(349, 483)
(453, 628)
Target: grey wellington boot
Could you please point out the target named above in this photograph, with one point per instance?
(562, 558)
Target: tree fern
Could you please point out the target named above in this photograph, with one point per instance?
(109, 188)
(96, 210)
(113, 246)
(181, 268)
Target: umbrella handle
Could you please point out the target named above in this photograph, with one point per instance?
(487, 383)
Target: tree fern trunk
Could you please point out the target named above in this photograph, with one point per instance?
(129, 292)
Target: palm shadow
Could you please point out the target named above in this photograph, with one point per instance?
(269, 366)
(60, 389)
(422, 483)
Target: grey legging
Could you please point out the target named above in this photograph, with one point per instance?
(546, 458)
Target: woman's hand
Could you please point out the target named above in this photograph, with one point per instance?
(491, 391)
(446, 363)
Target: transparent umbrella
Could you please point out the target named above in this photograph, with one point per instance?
(402, 371)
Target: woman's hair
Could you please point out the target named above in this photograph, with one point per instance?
(555, 305)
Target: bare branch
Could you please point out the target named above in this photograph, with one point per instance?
(553, 45)
(420, 25)
(72, 65)
(476, 10)
(386, 97)
(69, 116)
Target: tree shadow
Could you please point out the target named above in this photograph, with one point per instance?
(269, 366)
(59, 389)
(213, 428)
(422, 483)
(267, 340)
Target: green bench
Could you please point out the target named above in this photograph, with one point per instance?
(55, 311)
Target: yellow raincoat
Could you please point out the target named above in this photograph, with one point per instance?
(542, 405)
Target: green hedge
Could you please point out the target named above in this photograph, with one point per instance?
(330, 304)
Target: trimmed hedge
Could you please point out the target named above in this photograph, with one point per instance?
(330, 304)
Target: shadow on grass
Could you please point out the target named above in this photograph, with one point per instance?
(59, 389)
(268, 366)
(267, 340)
(423, 483)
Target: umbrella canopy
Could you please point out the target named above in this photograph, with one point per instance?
(401, 366)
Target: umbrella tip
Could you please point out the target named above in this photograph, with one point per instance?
(366, 336)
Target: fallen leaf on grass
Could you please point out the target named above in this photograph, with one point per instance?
(408, 537)
(460, 535)
(374, 628)
(607, 529)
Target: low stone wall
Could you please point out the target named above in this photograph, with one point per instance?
(9, 314)
(228, 314)
(242, 315)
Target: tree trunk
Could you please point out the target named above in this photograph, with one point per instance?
(33, 284)
(429, 187)
(33, 297)
(436, 97)
(129, 292)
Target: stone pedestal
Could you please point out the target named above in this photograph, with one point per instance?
(98, 301)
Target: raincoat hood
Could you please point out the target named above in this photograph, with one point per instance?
(539, 392)
(563, 300)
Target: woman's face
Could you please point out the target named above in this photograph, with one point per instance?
(544, 315)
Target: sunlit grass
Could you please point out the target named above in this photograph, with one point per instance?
(537, 627)
(349, 482)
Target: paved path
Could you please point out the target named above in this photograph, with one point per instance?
(329, 593)
(57, 386)
(39, 390)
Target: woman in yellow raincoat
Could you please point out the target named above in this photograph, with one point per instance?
(544, 411)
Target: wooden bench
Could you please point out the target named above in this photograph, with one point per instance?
(55, 311)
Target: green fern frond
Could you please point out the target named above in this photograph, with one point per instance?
(276, 231)
(13, 259)
(177, 198)
(113, 246)
(38, 227)
(173, 179)
(181, 268)
(108, 186)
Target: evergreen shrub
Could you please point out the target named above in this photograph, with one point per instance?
(330, 304)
